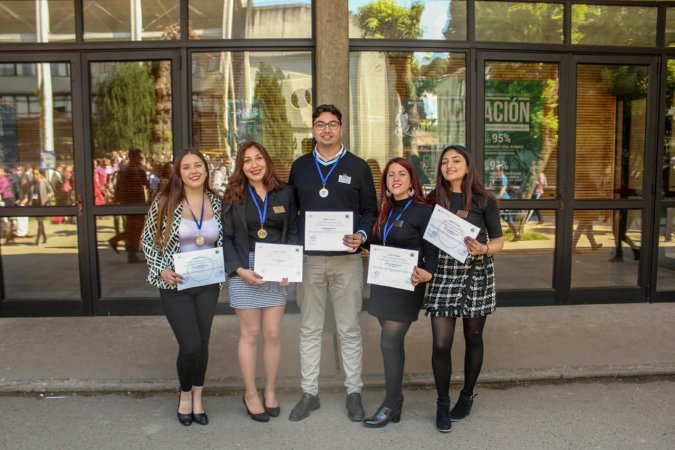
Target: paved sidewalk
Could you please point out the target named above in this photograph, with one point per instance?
(522, 344)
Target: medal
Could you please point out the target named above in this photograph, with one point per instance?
(199, 240)
(262, 215)
(323, 192)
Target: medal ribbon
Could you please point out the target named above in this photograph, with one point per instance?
(387, 228)
(201, 217)
(318, 168)
(262, 215)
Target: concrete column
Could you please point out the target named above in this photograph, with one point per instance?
(332, 57)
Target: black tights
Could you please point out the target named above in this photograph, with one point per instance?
(393, 353)
(443, 330)
(190, 313)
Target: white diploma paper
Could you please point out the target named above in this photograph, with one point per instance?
(447, 232)
(324, 230)
(391, 266)
(200, 267)
(274, 262)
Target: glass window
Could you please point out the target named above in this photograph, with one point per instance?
(136, 20)
(610, 131)
(606, 248)
(236, 19)
(614, 25)
(39, 258)
(668, 163)
(36, 135)
(527, 259)
(670, 27)
(265, 96)
(409, 104)
(131, 128)
(500, 21)
(521, 129)
(666, 260)
(53, 21)
(408, 19)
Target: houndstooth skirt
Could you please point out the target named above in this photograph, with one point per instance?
(462, 289)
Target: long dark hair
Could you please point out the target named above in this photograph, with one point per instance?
(173, 193)
(237, 184)
(386, 203)
(471, 184)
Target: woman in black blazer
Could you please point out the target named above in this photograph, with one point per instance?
(258, 208)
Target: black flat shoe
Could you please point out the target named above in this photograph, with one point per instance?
(382, 417)
(184, 419)
(272, 411)
(201, 419)
(260, 417)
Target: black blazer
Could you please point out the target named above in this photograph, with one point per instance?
(235, 231)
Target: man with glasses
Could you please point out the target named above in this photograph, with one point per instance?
(330, 178)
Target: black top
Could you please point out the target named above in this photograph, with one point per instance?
(350, 188)
(484, 214)
(274, 222)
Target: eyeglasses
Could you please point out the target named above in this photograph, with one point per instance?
(333, 125)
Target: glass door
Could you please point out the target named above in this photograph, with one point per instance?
(518, 135)
(131, 137)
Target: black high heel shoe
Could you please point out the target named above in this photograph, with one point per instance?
(260, 417)
(272, 411)
(201, 419)
(383, 416)
(184, 419)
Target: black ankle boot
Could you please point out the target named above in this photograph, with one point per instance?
(463, 406)
(443, 422)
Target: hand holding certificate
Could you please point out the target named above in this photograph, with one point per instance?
(200, 267)
(325, 230)
(447, 232)
(274, 262)
(391, 266)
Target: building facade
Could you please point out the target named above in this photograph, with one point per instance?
(566, 104)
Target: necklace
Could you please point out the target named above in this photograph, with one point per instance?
(199, 240)
(262, 215)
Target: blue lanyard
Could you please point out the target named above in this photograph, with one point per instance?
(201, 216)
(262, 215)
(387, 228)
(318, 168)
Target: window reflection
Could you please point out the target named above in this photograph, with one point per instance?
(39, 257)
(668, 163)
(407, 104)
(611, 126)
(136, 20)
(614, 25)
(606, 246)
(37, 21)
(253, 19)
(408, 19)
(500, 21)
(36, 132)
(521, 129)
(237, 96)
(526, 262)
(666, 251)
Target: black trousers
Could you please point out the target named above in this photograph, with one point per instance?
(190, 314)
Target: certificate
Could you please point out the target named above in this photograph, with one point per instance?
(200, 267)
(391, 266)
(274, 262)
(447, 232)
(324, 230)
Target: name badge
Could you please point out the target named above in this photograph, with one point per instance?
(346, 179)
(398, 224)
(278, 209)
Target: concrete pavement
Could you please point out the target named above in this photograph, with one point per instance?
(107, 354)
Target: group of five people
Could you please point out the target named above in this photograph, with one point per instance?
(259, 208)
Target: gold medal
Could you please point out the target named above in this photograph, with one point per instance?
(262, 233)
(199, 240)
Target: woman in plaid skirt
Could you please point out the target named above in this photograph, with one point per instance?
(467, 289)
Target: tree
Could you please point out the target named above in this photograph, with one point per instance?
(125, 106)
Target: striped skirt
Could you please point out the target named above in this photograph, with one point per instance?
(462, 289)
(245, 296)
